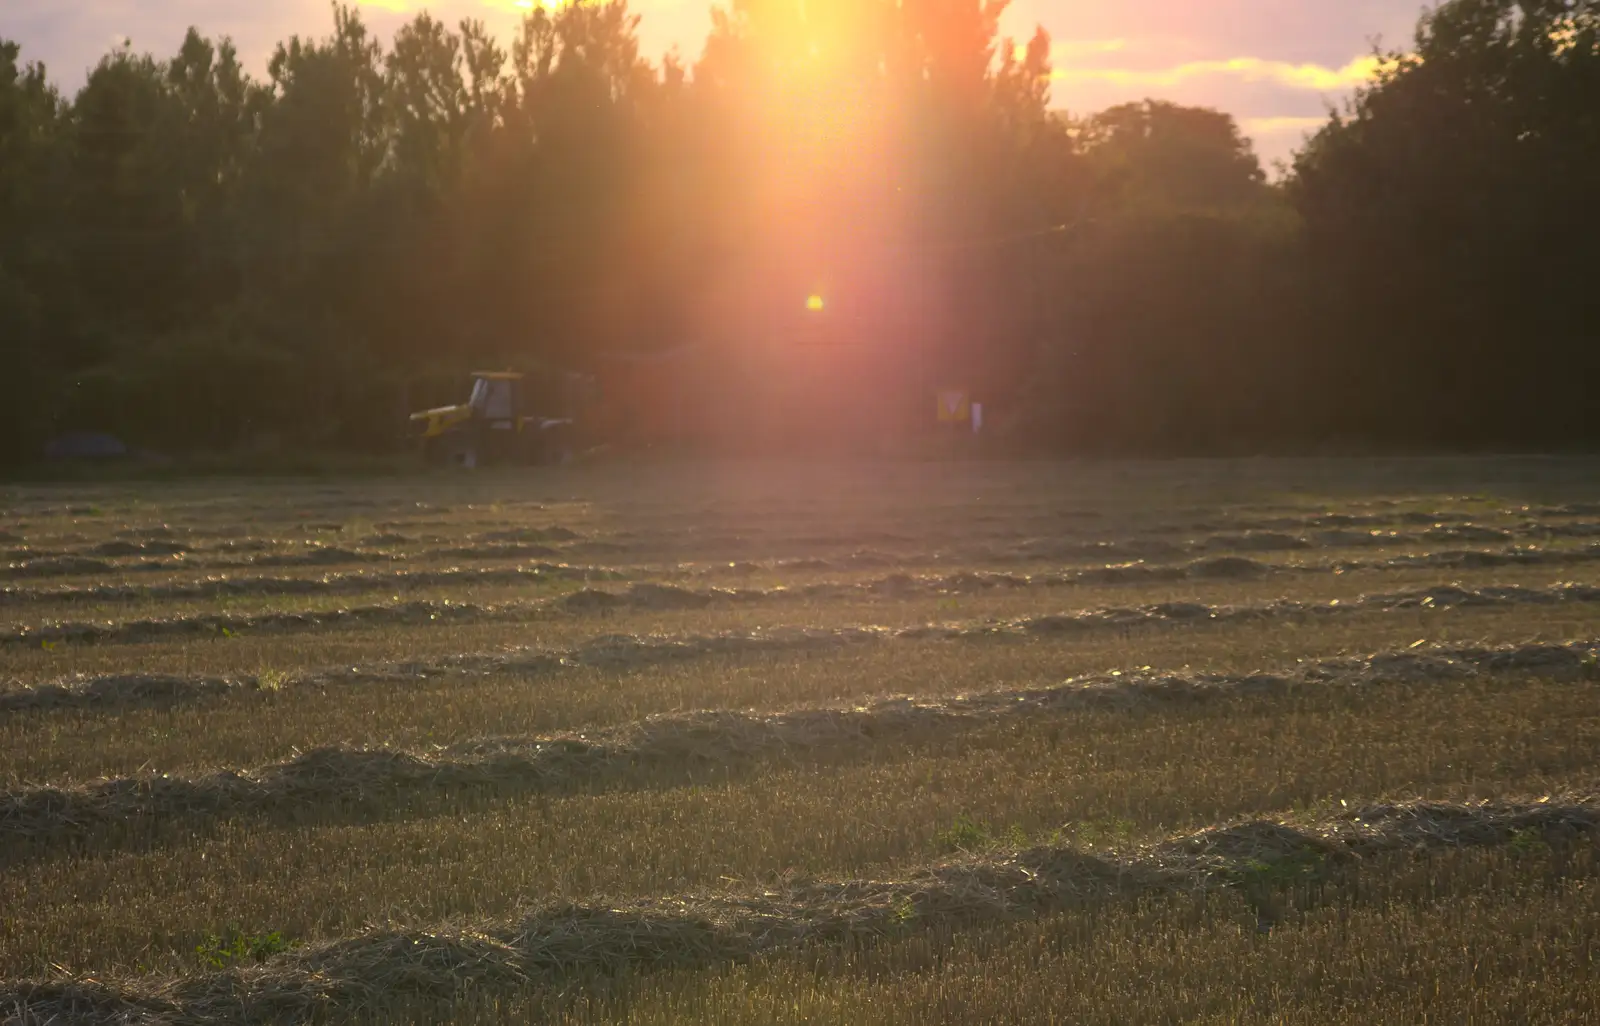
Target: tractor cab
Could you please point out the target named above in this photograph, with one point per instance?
(494, 425)
(496, 398)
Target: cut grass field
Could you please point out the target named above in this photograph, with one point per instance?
(577, 816)
(1388, 949)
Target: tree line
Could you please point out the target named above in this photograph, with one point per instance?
(191, 256)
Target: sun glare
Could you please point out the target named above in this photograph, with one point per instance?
(814, 303)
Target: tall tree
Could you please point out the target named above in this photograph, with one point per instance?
(1161, 155)
(1451, 215)
(31, 258)
(1175, 295)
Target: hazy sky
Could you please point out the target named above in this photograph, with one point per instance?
(1275, 64)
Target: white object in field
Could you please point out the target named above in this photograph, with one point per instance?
(977, 417)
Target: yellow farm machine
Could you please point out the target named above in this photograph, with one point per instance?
(494, 426)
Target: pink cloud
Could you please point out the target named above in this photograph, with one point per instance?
(1315, 77)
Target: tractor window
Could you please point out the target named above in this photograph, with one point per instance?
(480, 395)
(499, 401)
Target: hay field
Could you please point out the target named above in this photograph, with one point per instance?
(1257, 741)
